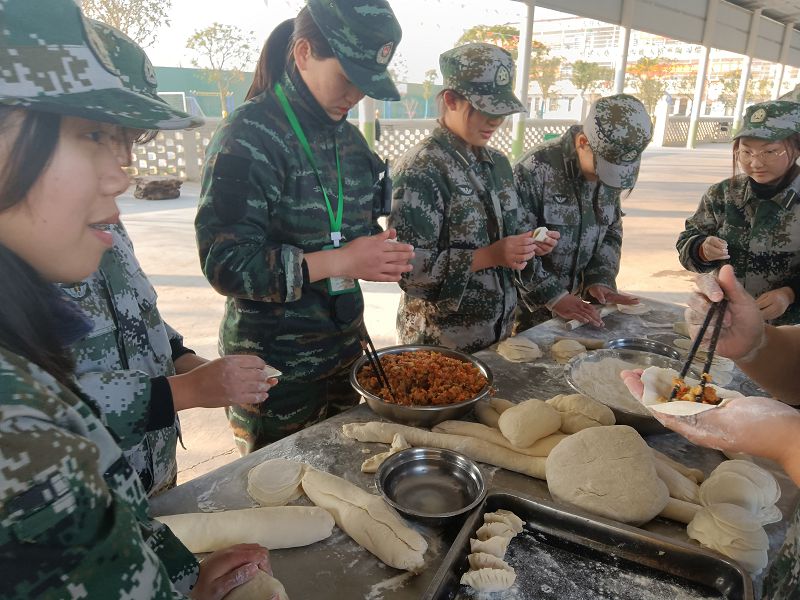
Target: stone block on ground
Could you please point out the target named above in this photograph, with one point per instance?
(157, 187)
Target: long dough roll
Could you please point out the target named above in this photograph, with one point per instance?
(367, 519)
(479, 450)
(680, 511)
(680, 487)
(695, 475)
(273, 527)
(541, 447)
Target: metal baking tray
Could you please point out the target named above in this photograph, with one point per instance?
(564, 555)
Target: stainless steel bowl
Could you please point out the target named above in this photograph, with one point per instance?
(420, 416)
(645, 345)
(430, 484)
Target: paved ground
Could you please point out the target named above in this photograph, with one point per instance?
(670, 186)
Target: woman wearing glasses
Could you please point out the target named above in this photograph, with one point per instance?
(752, 219)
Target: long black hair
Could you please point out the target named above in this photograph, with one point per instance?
(276, 55)
(27, 319)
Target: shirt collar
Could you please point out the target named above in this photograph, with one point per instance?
(305, 106)
(450, 140)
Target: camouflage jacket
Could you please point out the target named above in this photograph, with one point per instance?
(763, 237)
(129, 344)
(782, 581)
(553, 193)
(73, 514)
(261, 209)
(440, 209)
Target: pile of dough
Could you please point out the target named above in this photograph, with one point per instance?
(373, 462)
(563, 350)
(744, 484)
(658, 384)
(260, 587)
(529, 421)
(475, 449)
(541, 447)
(367, 519)
(633, 309)
(607, 471)
(488, 572)
(519, 349)
(734, 532)
(275, 482)
(580, 412)
(273, 527)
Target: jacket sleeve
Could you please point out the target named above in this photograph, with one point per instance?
(703, 223)
(241, 181)
(440, 272)
(603, 267)
(542, 288)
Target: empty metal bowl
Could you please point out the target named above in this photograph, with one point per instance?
(430, 484)
(645, 345)
(420, 416)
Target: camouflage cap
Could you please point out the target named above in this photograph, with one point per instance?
(775, 120)
(54, 60)
(363, 35)
(618, 129)
(484, 74)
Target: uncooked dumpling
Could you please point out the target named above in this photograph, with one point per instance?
(563, 350)
(489, 580)
(579, 412)
(495, 546)
(275, 482)
(489, 530)
(540, 234)
(633, 309)
(607, 471)
(519, 349)
(529, 421)
(482, 560)
(505, 516)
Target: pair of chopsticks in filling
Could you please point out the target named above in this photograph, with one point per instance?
(375, 361)
(717, 308)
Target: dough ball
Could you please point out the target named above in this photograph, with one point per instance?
(489, 580)
(607, 471)
(519, 349)
(529, 421)
(481, 560)
(275, 482)
(563, 350)
(261, 587)
(489, 530)
(734, 532)
(580, 412)
(633, 309)
(496, 546)
(505, 516)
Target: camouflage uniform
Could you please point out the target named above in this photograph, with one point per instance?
(782, 581)
(450, 200)
(763, 234)
(73, 514)
(554, 193)
(128, 346)
(261, 209)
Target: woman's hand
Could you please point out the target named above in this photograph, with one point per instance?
(376, 257)
(742, 332)
(546, 246)
(572, 307)
(775, 302)
(234, 379)
(513, 252)
(714, 248)
(605, 295)
(224, 570)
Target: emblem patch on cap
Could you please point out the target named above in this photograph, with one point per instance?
(503, 76)
(94, 42)
(150, 73)
(384, 54)
(759, 116)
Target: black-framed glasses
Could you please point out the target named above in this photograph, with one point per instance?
(766, 157)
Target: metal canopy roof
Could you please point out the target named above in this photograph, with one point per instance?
(685, 20)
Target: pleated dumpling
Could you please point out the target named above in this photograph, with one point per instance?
(489, 580)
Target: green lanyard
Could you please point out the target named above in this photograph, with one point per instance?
(335, 220)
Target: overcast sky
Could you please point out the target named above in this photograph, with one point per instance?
(429, 26)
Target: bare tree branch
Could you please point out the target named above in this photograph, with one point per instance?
(138, 19)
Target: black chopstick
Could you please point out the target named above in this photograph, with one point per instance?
(375, 361)
(695, 346)
(712, 347)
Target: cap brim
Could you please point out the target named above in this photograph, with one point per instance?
(118, 106)
(761, 134)
(496, 105)
(377, 85)
(617, 176)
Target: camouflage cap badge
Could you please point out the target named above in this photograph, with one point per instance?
(482, 73)
(363, 35)
(773, 121)
(54, 60)
(618, 129)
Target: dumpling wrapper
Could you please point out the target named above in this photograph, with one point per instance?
(633, 309)
(519, 349)
(658, 384)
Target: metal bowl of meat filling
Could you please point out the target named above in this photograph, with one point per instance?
(430, 384)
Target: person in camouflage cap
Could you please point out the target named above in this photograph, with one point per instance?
(752, 219)
(762, 427)
(573, 185)
(73, 514)
(287, 221)
(455, 202)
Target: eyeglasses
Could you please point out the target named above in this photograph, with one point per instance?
(766, 157)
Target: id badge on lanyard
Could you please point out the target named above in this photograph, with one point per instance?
(336, 285)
